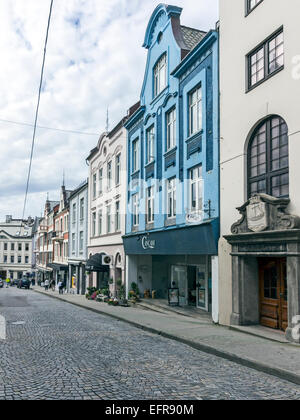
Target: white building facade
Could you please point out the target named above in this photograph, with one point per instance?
(259, 249)
(78, 235)
(106, 209)
(15, 248)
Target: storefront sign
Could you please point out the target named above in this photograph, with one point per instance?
(194, 217)
(148, 243)
(173, 297)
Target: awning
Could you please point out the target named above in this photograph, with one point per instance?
(95, 264)
(58, 267)
(192, 240)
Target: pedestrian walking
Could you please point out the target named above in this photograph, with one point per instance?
(52, 285)
(61, 287)
(46, 285)
(7, 282)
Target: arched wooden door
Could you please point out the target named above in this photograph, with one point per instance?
(273, 293)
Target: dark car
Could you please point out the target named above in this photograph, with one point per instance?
(24, 283)
(1, 284)
(14, 282)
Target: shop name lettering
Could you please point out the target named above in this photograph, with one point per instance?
(148, 243)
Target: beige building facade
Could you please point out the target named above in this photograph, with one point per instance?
(259, 170)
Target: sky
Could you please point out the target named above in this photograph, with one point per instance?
(94, 61)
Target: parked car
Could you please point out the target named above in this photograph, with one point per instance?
(24, 283)
(1, 284)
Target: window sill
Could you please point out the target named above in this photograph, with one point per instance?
(135, 173)
(170, 221)
(193, 136)
(159, 95)
(150, 226)
(170, 151)
(150, 164)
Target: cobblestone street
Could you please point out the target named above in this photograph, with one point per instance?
(57, 351)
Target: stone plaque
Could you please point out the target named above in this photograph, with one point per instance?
(257, 216)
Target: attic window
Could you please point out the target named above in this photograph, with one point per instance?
(160, 37)
(160, 75)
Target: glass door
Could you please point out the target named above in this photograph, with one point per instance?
(202, 287)
(179, 280)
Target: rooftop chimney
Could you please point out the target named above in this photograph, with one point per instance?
(8, 219)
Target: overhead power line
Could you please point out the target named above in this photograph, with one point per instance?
(37, 108)
(49, 128)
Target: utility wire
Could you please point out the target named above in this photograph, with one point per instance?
(49, 128)
(37, 109)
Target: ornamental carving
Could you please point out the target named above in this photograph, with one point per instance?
(265, 213)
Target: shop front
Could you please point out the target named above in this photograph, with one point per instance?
(99, 271)
(266, 266)
(174, 264)
(44, 274)
(60, 273)
(77, 277)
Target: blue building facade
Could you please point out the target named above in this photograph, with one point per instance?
(172, 225)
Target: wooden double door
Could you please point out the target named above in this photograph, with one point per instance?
(273, 293)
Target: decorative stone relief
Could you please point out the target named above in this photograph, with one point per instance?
(265, 213)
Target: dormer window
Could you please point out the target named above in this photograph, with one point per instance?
(160, 75)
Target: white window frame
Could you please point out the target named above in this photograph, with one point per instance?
(94, 186)
(108, 219)
(150, 137)
(74, 214)
(109, 175)
(171, 198)
(195, 111)
(150, 205)
(94, 218)
(73, 243)
(81, 208)
(196, 187)
(118, 169)
(135, 155)
(135, 210)
(100, 222)
(117, 216)
(171, 128)
(100, 181)
(160, 75)
(81, 236)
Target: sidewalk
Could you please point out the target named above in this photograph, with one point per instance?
(278, 359)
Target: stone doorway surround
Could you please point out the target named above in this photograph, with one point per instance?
(265, 230)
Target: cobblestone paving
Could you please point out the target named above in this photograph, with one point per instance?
(58, 351)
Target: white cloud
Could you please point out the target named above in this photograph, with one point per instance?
(94, 60)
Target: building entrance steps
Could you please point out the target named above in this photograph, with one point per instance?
(162, 305)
